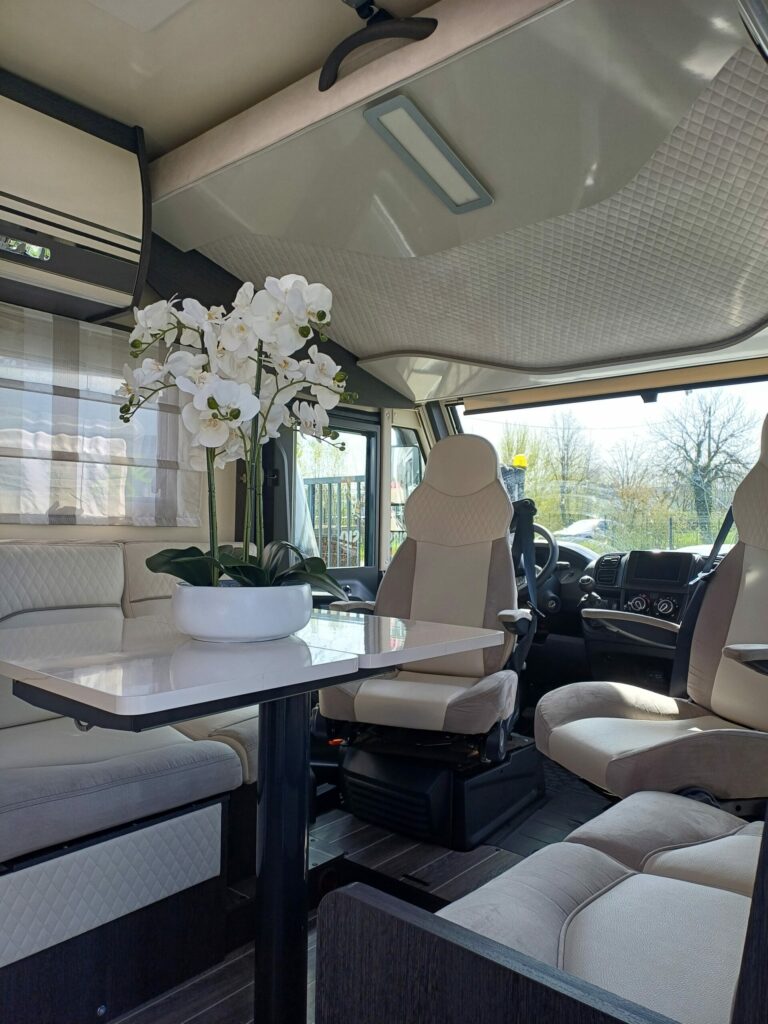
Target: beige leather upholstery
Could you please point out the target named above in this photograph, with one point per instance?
(455, 566)
(49, 583)
(669, 835)
(626, 739)
(662, 925)
(149, 593)
(56, 782)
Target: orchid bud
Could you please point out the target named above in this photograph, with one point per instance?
(305, 331)
(212, 403)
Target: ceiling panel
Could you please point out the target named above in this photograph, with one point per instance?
(676, 260)
(174, 68)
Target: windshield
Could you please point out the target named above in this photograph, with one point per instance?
(620, 473)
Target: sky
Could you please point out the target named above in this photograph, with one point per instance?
(610, 421)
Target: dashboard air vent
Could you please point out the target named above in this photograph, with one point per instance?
(607, 572)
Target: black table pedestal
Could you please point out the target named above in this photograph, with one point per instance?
(280, 992)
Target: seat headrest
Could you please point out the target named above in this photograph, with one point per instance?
(751, 500)
(462, 464)
(461, 499)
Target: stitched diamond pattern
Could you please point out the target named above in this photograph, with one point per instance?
(36, 576)
(454, 520)
(676, 258)
(48, 903)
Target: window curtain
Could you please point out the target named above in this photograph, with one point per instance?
(65, 457)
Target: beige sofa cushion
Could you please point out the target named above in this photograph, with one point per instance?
(238, 729)
(58, 783)
(53, 582)
(669, 938)
(664, 834)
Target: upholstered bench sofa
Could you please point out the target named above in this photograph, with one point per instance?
(639, 916)
(104, 836)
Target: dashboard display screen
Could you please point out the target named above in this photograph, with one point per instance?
(659, 567)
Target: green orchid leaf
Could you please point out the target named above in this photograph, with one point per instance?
(230, 556)
(274, 554)
(314, 565)
(187, 564)
(318, 580)
(247, 574)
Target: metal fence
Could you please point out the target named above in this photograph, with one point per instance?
(337, 510)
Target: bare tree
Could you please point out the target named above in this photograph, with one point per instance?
(708, 442)
(571, 460)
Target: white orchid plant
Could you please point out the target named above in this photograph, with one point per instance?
(241, 384)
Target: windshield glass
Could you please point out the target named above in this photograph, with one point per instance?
(620, 473)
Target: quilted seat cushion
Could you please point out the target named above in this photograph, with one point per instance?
(57, 783)
(663, 927)
(239, 729)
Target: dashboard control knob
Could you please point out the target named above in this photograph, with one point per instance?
(665, 608)
(640, 604)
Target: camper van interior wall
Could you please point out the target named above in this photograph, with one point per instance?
(242, 386)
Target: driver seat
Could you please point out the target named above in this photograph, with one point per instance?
(625, 739)
(455, 566)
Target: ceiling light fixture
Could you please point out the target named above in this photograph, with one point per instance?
(407, 131)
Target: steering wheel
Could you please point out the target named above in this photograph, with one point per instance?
(543, 572)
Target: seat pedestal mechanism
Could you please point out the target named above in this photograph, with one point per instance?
(441, 803)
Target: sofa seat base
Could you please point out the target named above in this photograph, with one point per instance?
(649, 901)
(58, 783)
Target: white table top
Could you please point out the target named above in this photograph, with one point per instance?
(138, 667)
(383, 642)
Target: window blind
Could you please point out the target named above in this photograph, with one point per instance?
(65, 457)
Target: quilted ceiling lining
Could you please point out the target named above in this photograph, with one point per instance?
(676, 260)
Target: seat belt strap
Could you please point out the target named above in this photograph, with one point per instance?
(524, 555)
(678, 683)
(709, 566)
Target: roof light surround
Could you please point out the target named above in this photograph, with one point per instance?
(405, 129)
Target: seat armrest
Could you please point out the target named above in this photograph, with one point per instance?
(623, 622)
(754, 656)
(632, 618)
(516, 620)
(352, 606)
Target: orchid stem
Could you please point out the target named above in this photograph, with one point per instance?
(213, 533)
(254, 478)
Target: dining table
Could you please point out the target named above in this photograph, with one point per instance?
(139, 673)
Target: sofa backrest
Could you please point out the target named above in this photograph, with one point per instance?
(148, 593)
(54, 583)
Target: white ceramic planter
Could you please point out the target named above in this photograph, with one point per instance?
(241, 614)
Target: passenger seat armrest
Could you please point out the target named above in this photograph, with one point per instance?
(516, 620)
(352, 606)
(754, 656)
(631, 618)
(643, 629)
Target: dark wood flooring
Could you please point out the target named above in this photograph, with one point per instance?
(222, 995)
(344, 849)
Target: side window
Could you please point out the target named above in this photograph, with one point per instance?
(334, 511)
(407, 470)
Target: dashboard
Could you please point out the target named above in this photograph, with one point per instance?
(651, 583)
